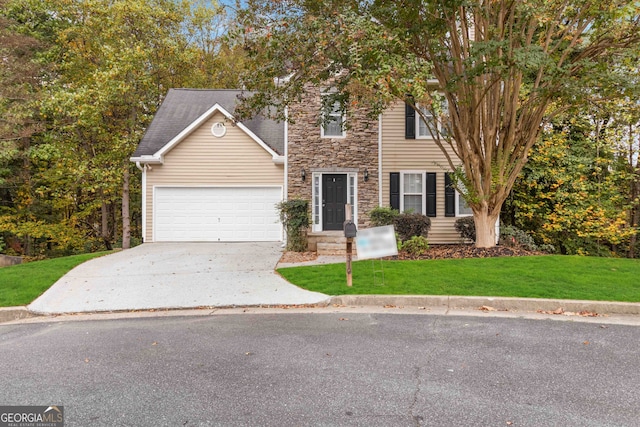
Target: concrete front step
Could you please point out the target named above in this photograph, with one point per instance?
(333, 248)
(324, 236)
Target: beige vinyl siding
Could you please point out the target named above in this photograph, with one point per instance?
(400, 154)
(201, 159)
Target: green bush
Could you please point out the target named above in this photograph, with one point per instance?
(408, 225)
(466, 228)
(381, 216)
(547, 248)
(294, 215)
(415, 246)
(514, 237)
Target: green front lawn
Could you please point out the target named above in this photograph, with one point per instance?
(561, 277)
(21, 284)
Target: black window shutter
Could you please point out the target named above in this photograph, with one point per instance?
(394, 187)
(449, 196)
(431, 194)
(409, 122)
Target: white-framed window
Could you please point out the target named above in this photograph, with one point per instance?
(425, 132)
(333, 122)
(462, 208)
(412, 192)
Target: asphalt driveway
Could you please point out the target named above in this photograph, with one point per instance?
(175, 275)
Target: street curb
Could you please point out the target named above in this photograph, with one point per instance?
(8, 314)
(498, 303)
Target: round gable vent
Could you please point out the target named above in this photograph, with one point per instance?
(218, 130)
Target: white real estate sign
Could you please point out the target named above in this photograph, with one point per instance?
(376, 242)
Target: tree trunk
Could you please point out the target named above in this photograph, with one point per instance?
(485, 228)
(635, 221)
(634, 214)
(105, 225)
(126, 220)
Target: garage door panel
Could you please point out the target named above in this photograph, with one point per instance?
(217, 214)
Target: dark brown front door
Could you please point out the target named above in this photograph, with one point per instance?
(334, 197)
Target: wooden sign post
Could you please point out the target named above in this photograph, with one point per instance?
(349, 218)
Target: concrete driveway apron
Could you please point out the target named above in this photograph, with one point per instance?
(175, 275)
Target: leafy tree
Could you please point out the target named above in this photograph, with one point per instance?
(622, 117)
(580, 188)
(23, 52)
(497, 64)
(569, 193)
(109, 64)
(218, 61)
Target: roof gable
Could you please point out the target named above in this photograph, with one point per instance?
(183, 110)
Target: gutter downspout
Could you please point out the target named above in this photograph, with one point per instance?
(380, 160)
(144, 168)
(285, 196)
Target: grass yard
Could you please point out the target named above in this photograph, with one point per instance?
(562, 277)
(23, 283)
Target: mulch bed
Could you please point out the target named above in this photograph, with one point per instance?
(434, 252)
(467, 251)
(298, 256)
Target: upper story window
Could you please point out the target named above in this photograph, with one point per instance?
(333, 120)
(424, 127)
(423, 124)
(427, 126)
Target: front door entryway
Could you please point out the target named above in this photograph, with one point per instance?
(334, 197)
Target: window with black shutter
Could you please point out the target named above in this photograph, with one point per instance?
(431, 194)
(394, 186)
(449, 196)
(409, 122)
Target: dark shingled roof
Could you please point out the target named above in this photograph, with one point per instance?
(181, 107)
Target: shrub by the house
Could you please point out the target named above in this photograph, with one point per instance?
(415, 246)
(466, 227)
(382, 216)
(408, 225)
(294, 214)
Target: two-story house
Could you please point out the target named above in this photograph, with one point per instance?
(207, 178)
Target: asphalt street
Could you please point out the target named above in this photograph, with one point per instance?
(331, 369)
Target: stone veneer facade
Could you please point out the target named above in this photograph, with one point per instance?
(308, 150)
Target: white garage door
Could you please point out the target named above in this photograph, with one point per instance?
(217, 214)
